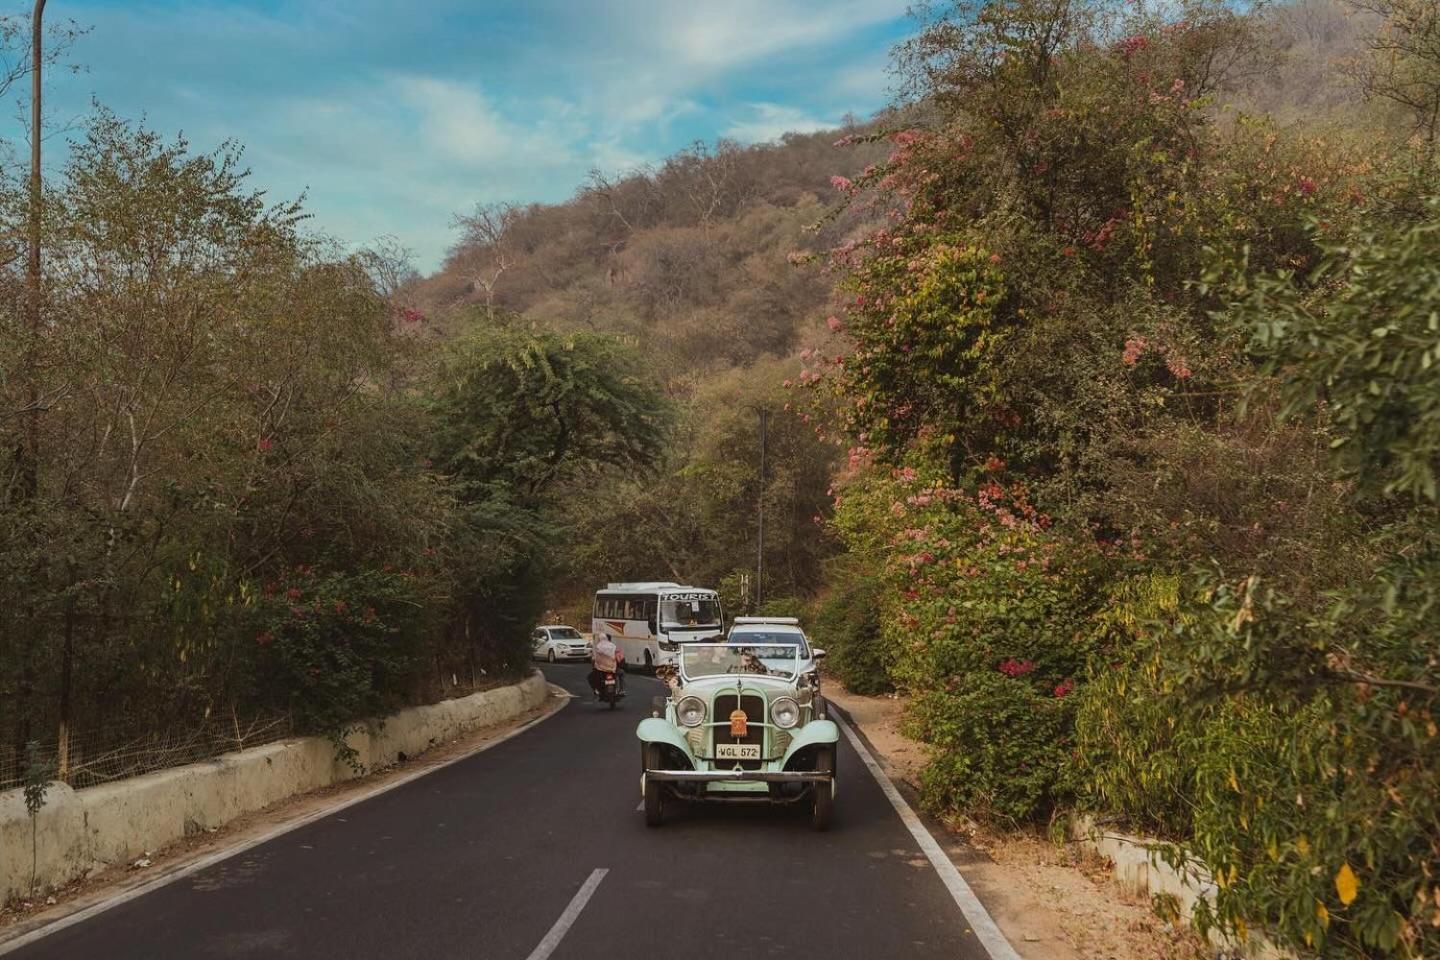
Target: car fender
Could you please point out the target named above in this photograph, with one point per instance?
(816, 731)
(658, 730)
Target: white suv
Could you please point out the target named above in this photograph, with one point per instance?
(761, 630)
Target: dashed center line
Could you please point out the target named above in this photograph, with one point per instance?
(568, 918)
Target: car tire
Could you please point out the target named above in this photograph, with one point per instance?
(822, 808)
(654, 800)
(551, 655)
(649, 662)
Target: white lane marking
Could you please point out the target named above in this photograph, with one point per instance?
(981, 923)
(80, 916)
(567, 919)
(640, 808)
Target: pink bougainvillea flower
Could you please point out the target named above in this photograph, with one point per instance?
(1016, 668)
(1133, 45)
(264, 444)
(840, 183)
(833, 322)
(293, 594)
(1308, 186)
(1135, 348)
(1064, 687)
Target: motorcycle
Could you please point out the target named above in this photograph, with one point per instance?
(610, 688)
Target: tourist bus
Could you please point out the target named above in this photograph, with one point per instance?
(647, 620)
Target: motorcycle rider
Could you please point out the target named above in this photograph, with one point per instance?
(606, 657)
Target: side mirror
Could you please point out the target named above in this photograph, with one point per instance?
(818, 653)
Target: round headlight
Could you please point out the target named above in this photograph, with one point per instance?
(690, 711)
(785, 712)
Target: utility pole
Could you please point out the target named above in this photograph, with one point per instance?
(29, 469)
(760, 509)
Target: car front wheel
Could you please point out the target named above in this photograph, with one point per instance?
(551, 655)
(823, 806)
(654, 804)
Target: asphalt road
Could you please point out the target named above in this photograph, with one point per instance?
(481, 858)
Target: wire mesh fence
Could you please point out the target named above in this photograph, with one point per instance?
(100, 755)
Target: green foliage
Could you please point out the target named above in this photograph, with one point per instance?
(1134, 753)
(331, 649)
(847, 626)
(1361, 334)
(925, 352)
(694, 521)
(227, 403)
(522, 410)
(998, 745)
(522, 417)
(1330, 762)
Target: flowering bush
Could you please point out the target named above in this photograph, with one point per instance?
(982, 619)
(335, 648)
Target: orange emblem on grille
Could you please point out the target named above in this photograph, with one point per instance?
(738, 722)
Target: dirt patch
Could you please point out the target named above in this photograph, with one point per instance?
(19, 917)
(1053, 902)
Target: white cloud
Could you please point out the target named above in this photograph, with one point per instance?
(741, 31)
(769, 121)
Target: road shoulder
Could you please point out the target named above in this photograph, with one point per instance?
(1051, 902)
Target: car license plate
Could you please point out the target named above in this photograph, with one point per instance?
(737, 751)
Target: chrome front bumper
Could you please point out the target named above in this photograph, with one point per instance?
(752, 776)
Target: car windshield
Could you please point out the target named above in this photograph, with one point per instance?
(772, 636)
(721, 659)
(690, 613)
(566, 633)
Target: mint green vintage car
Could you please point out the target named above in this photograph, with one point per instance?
(742, 723)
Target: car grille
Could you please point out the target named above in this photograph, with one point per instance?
(754, 708)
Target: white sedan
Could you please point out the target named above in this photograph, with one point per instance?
(557, 643)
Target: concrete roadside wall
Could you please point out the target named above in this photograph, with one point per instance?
(80, 832)
(1138, 868)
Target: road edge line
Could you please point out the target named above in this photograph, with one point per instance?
(979, 919)
(567, 919)
(219, 856)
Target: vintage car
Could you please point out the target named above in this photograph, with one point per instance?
(741, 724)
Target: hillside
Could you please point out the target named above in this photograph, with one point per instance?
(690, 259)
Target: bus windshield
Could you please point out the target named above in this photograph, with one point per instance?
(690, 613)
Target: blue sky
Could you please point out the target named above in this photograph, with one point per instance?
(395, 116)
